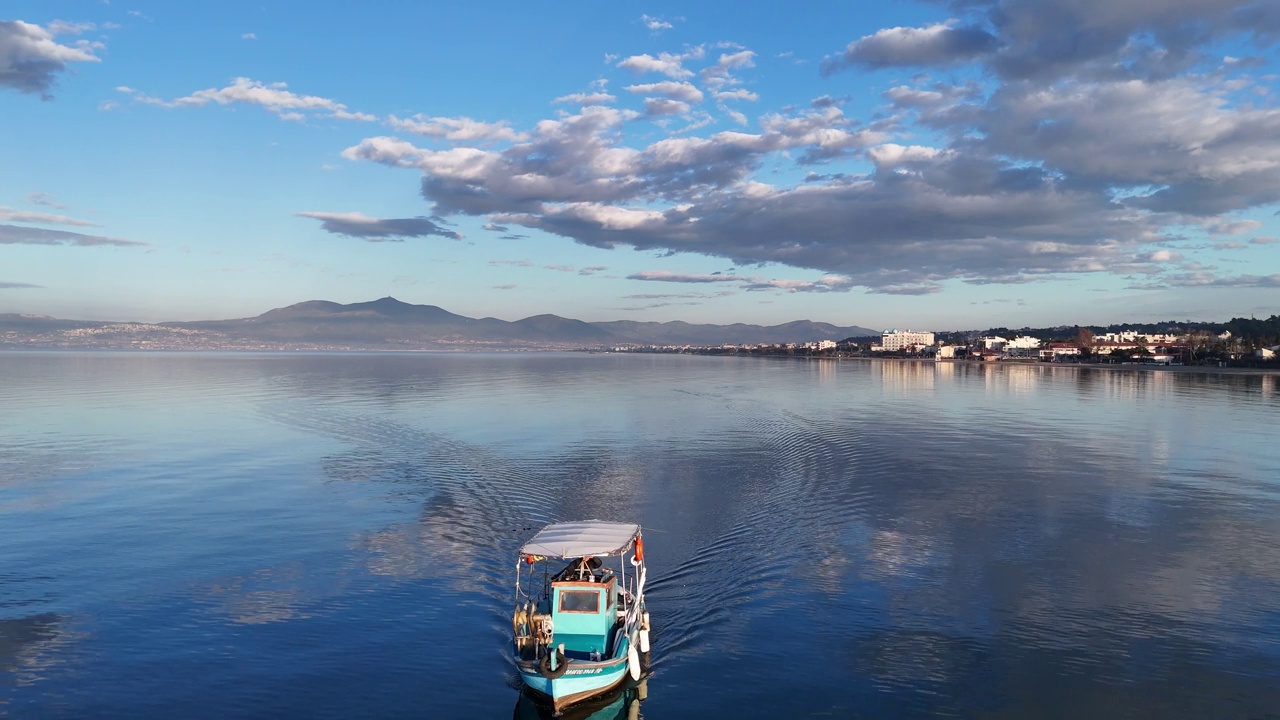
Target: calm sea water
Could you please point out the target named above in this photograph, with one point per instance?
(334, 536)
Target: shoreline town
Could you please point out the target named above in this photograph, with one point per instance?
(1186, 352)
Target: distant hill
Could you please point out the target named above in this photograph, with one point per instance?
(391, 324)
(36, 324)
(381, 323)
(683, 333)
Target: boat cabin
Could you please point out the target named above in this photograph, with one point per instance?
(584, 609)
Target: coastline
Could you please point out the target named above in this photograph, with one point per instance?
(1119, 367)
(458, 350)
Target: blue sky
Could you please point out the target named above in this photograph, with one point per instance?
(931, 165)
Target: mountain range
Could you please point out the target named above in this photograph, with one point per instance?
(389, 324)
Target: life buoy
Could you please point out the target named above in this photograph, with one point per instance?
(544, 666)
(640, 549)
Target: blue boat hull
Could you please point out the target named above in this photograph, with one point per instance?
(581, 681)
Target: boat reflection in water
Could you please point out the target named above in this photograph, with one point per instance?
(620, 704)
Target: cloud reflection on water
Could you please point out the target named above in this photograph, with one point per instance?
(940, 535)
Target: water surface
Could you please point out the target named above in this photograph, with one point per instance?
(332, 536)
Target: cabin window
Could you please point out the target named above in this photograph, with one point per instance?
(579, 601)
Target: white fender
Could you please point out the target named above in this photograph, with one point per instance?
(633, 662)
(644, 641)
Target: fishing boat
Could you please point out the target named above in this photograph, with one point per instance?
(580, 623)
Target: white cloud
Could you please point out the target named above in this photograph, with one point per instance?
(249, 36)
(659, 107)
(459, 129)
(342, 114)
(1160, 256)
(665, 64)
(891, 155)
(683, 91)
(721, 73)
(739, 94)
(30, 59)
(606, 217)
(274, 97)
(824, 133)
(387, 151)
(655, 24)
(592, 98)
(932, 100)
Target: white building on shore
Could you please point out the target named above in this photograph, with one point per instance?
(1023, 342)
(891, 340)
(1131, 336)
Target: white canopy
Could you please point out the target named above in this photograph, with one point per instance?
(581, 539)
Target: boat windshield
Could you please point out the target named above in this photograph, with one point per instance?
(579, 601)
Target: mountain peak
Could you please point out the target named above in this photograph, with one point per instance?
(391, 307)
